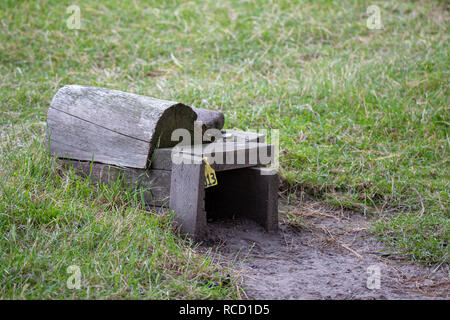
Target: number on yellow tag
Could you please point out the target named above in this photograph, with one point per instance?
(210, 175)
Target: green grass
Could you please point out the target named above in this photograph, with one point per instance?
(363, 114)
(51, 219)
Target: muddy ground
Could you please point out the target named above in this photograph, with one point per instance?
(322, 253)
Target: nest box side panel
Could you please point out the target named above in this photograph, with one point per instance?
(112, 127)
(154, 184)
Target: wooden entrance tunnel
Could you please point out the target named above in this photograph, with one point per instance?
(106, 133)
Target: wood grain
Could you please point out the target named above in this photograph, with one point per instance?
(105, 123)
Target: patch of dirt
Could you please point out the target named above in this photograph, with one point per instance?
(321, 253)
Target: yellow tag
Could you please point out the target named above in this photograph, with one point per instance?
(210, 175)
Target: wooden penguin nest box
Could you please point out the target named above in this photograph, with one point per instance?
(108, 133)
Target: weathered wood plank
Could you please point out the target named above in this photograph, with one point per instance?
(187, 194)
(241, 136)
(155, 184)
(221, 155)
(70, 137)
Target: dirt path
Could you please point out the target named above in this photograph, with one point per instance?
(327, 256)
